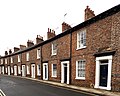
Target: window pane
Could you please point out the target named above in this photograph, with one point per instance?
(81, 68)
(54, 73)
(81, 39)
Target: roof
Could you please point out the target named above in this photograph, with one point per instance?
(101, 16)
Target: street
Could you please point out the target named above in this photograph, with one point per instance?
(15, 86)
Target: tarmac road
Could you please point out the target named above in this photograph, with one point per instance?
(15, 86)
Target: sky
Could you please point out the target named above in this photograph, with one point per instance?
(23, 20)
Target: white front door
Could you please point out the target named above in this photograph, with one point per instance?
(8, 70)
(103, 72)
(15, 70)
(45, 71)
(23, 71)
(65, 72)
(2, 69)
(33, 70)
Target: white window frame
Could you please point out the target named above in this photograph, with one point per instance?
(54, 75)
(5, 60)
(27, 56)
(28, 69)
(1, 61)
(82, 67)
(38, 53)
(81, 36)
(54, 49)
(11, 59)
(18, 58)
(38, 70)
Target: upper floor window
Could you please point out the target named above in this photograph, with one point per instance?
(54, 48)
(80, 69)
(54, 70)
(38, 53)
(81, 39)
(18, 58)
(11, 60)
(5, 60)
(1, 61)
(27, 56)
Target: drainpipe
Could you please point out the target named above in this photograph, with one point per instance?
(70, 74)
(21, 64)
(41, 64)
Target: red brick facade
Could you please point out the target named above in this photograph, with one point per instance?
(102, 43)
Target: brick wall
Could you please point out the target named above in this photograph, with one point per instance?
(98, 37)
(115, 45)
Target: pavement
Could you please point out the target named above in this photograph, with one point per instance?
(98, 92)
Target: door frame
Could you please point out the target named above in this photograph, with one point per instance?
(45, 64)
(23, 71)
(8, 70)
(97, 75)
(62, 71)
(33, 70)
(3, 70)
(15, 70)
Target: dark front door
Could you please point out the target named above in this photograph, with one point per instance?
(103, 75)
(45, 71)
(65, 73)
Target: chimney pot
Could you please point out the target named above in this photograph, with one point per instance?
(39, 39)
(65, 26)
(10, 51)
(88, 13)
(16, 49)
(50, 34)
(30, 43)
(6, 53)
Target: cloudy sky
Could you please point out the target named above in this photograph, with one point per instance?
(21, 20)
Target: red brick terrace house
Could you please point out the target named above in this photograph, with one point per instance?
(87, 55)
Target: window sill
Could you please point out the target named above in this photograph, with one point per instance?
(54, 76)
(53, 54)
(80, 78)
(81, 48)
(38, 58)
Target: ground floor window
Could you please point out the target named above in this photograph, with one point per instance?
(38, 70)
(80, 69)
(54, 70)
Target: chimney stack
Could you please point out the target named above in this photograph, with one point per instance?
(39, 39)
(22, 47)
(6, 53)
(65, 26)
(88, 13)
(10, 51)
(16, 49)
(30, 43)
(50, 33)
